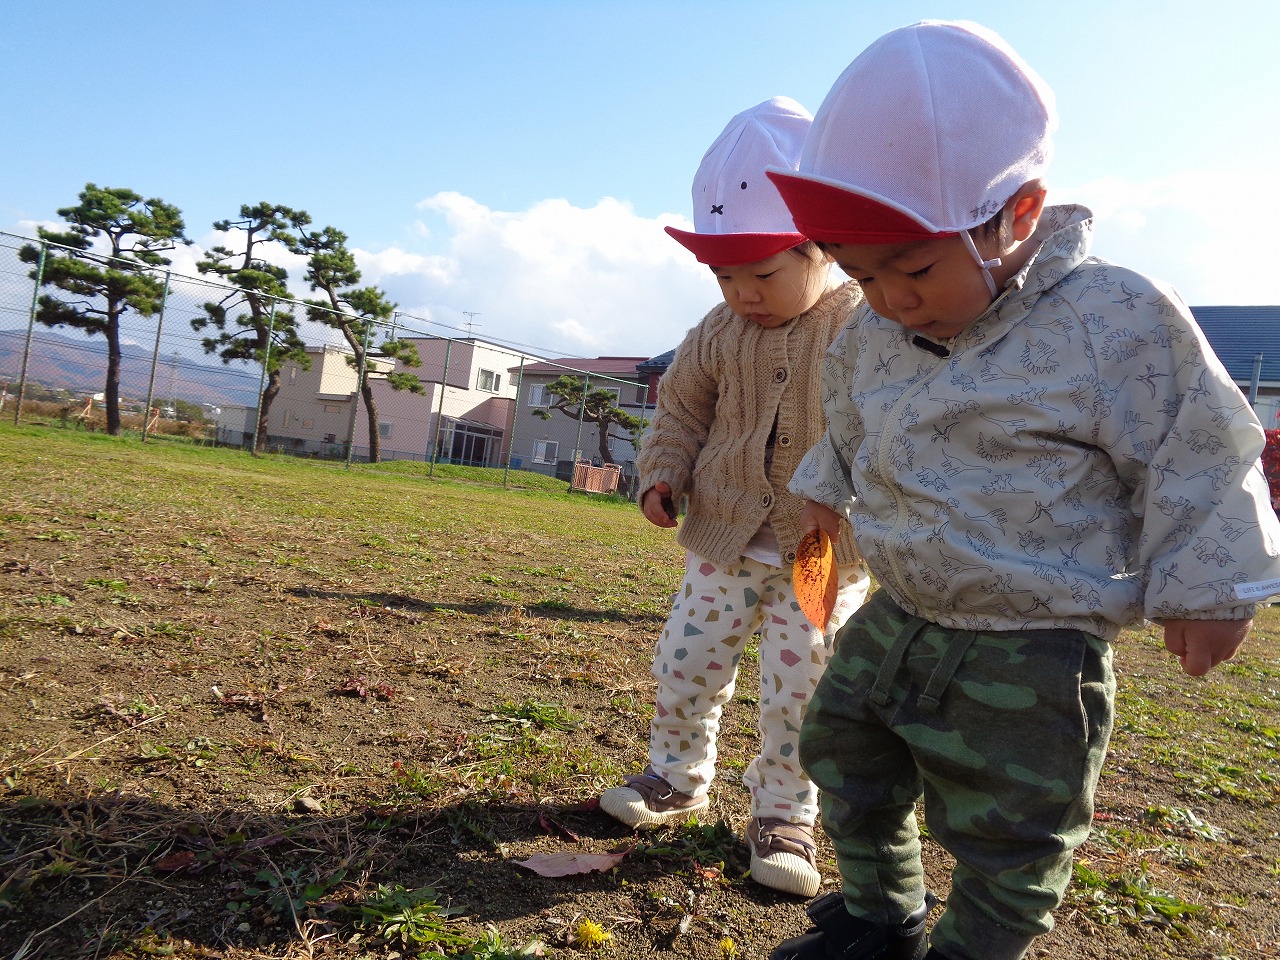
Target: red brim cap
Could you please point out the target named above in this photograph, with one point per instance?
(830, 213)
(733, 249)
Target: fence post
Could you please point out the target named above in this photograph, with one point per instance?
(511, 430)
(262, 377)
(444, 382)
(31, 323)
(155, 360)
(361, 373)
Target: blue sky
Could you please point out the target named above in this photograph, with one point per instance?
(517, 160)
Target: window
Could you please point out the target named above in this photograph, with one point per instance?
(539, 396)
(489, 381)
(473, 444)
(544, 451)
(384, 429)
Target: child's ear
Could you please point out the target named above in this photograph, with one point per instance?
(1028, 204)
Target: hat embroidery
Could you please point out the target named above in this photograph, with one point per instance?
(752, 223)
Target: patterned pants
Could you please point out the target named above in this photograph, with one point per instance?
(715, 614)
(1002, 733)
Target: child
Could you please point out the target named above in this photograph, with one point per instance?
(1035, 449)
(736, 410)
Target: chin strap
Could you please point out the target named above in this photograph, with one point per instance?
(984, 265)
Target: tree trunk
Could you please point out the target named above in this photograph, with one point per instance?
(375, 448)
(264, 409)
(606, 455)
(111, 392)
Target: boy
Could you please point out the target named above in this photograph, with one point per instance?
(1035, 449)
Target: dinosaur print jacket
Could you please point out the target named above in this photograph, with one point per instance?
(1077, 457)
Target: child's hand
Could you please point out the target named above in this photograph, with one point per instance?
(657, 506)
(818, 516)
(1203, 644)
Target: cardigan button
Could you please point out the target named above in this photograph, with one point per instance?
(780, 375)
(766, 500)
(784, 440)
(789, 556)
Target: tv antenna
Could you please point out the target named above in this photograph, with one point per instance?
(470, 322)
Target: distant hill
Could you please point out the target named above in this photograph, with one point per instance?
(79, 365)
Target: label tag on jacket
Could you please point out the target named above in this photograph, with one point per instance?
(1257, 589)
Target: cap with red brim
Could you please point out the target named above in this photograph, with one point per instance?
(832, 213)
(733, 249)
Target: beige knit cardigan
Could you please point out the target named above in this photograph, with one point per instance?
(730, 381)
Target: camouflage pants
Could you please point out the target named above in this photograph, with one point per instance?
(1003, 734)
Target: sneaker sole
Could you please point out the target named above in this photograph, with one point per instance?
(625, 804)
(786, 872)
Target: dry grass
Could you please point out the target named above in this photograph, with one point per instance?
(275, 708)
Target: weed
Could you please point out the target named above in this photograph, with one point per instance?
(46, 600)
(1183, 821)
(589, 935)
(289, 893)
(366, 689)
(133, 711)
(707, 845)
(467, 820)
(411, 917)
(544, 716)
(106, 583)
(1131, 899)
(491, 946)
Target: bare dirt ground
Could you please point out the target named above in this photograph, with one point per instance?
(250, 707)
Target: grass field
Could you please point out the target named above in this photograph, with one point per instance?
(281, 708)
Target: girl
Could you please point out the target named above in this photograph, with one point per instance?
(737, 409)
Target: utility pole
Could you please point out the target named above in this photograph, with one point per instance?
(470, 322)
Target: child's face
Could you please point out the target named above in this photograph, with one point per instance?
(774, 291)
(932, 287)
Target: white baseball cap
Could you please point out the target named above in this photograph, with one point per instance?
(738, 215)
(927, 133)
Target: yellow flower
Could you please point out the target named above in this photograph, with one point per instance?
(728, 949)
(589, 935)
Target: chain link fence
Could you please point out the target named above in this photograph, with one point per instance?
(468, 402)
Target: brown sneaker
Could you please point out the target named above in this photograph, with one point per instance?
(649, 801)
(784, 856)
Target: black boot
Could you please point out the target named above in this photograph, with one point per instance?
(838, 935)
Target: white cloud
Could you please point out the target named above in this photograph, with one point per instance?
(1209, 233)
(569, 280)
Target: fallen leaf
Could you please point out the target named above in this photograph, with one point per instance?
(174, 862)
(551, 826)
(570, 864)
(813, 577)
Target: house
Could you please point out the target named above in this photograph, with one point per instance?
(1247, 341)
(462, 415)
(551, 444)
(652, 370)
(312, 413)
